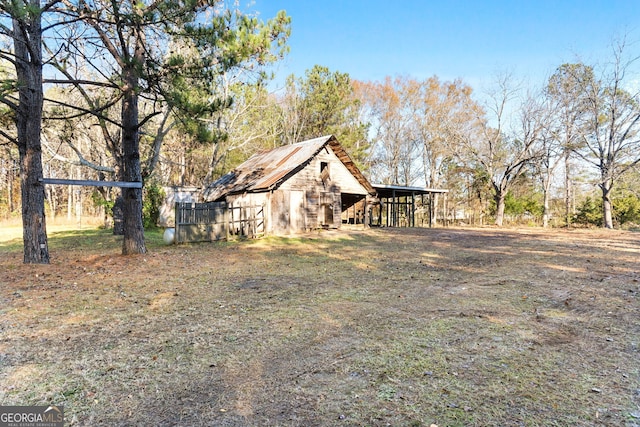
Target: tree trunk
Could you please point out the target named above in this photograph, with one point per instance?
(183, 166)
(52, 197)
(545, 208)
(607, 205)
(546, 194)
(28, 51)
(499, 198)
(10, 196)
(433, 183)
(69, 202)
(133, 242)
(567, 189)
(34, 229)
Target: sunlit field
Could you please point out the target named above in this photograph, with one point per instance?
(399, 327)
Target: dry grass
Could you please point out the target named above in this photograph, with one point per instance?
(456, 327)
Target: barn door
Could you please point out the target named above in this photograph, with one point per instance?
(326, 209)
(327, 215)
(297, 216)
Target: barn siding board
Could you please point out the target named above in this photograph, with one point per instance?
(339, 175)
(323, 207)
(312, 208)
(297, 211)
(280, 212)
(309, 177)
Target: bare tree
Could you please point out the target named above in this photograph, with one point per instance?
(395, 146)
(443, 113)
(611, 139)
(504, 150)
(566, 112)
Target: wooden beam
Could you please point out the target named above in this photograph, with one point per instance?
(91, 183)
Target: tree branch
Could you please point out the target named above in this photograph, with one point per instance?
(81, 160)
(84, 111)
(10, 138)
(6, 101)
(77, 82)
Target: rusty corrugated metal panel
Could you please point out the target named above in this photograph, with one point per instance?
(266, 170)
(283, 161)
(270, 180)
(287, 156)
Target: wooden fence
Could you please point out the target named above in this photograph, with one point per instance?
(207, 222)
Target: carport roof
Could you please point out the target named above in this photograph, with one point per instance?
(386, 191)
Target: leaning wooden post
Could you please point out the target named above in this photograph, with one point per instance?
(445, 219)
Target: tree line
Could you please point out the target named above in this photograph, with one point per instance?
(178, 93)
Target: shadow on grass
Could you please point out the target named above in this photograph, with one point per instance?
(90, 239)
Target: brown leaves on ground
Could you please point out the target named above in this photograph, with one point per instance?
(473, 327)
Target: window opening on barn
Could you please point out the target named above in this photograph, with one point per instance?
(324, 172)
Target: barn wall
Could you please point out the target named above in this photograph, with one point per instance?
(307, 200)
(321, 201)
(345, 179)
(340, 177)
(285, 210)
(175, 195)
(248, 199)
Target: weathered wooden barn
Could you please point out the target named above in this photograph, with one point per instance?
(304, 186)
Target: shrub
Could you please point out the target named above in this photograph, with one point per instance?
(626, 209)
(152, 200)
(589, 213)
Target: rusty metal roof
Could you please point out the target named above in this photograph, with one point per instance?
(266, 170)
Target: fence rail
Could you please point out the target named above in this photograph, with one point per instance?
(207, 222)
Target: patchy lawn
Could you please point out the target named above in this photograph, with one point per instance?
(409, 327)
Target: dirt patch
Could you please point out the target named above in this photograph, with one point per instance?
(467, 327)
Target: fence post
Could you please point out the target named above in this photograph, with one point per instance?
(176, 210)
(226, 217)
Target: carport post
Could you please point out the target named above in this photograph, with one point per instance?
(413, 209)
(430, 210)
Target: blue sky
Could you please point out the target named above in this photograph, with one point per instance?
(471, 40)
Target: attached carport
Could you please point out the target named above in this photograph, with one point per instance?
(398, 206)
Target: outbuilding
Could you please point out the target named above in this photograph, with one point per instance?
(309, 185)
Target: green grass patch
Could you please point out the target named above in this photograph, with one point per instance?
(90, 239)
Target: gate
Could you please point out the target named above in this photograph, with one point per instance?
(208, 222)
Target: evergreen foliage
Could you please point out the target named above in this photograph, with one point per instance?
(152, 200)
